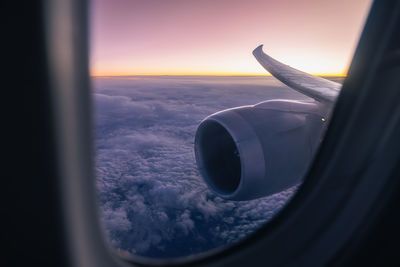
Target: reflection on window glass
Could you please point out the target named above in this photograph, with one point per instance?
(172, 183)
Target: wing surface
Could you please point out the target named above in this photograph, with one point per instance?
(316, 87)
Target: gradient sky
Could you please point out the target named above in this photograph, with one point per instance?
(171, 37)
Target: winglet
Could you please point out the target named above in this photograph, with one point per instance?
(316, 87)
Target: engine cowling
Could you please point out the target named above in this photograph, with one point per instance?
(254, 151)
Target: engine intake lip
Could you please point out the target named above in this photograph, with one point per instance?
(227, 150)
(219, 157)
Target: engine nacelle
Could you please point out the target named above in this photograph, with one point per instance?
(254, 151)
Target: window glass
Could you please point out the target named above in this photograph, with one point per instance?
(159, 68)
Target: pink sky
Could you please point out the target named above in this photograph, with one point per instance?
(139, 37)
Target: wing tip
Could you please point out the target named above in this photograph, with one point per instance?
(258, 49)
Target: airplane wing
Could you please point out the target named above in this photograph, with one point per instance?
(316, 87)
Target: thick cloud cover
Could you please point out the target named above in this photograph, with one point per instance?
(152, 198)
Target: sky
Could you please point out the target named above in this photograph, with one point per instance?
(216, 37)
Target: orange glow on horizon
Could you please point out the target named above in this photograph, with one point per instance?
(133, 75)
(121, 74)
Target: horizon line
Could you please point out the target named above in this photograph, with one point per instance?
(210, 74)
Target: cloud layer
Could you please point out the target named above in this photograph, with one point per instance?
(152, 198)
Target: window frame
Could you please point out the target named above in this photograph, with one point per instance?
(315, 222)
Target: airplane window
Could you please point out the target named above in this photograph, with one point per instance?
(203, 135)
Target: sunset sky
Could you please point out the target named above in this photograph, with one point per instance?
(216, 37)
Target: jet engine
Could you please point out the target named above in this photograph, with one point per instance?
(254, 151)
